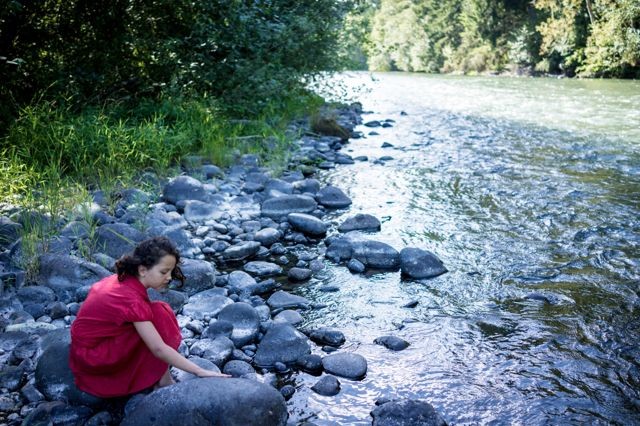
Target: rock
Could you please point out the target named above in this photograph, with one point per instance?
(206, 303)
(241, 283)
(9, 232)
(406, 412)
(267, 236)
(310, 186)
(36, 294)
(344, 364)
(200, 275)
(278, 185)
(53, 376)
(307, 224)
(241, 250)
(116, 239)
(218, 328)
(199, 211)
(262, 269)
(183, 188)
(360, 222)
(373, 123)
(287, 391)
(375, 254)
(299, 274)
(417, 263)
(310, 363)
(216, 350)
(245, 321)
(339, 250)
(180, 237)
(282, 343)
(327, 336)
(282, 206)
(237, 368)
(11, 377)
(392, 342)
(290, 316)
(211, 401)
(327, 386)
(355, 266)
(182, 376)
(65, 274)
(333, 198)
(175, 299)
(210, 171)
(283, 300)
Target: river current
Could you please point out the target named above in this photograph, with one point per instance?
(529, 191)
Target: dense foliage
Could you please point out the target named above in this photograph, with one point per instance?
(586, 37)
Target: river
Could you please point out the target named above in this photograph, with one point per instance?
(529, 191)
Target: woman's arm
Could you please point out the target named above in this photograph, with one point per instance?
(166, 353)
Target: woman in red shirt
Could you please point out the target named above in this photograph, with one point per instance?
(121, 342)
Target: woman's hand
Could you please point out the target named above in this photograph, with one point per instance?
(210, 373)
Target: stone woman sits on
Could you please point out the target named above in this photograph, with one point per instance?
(123, 343)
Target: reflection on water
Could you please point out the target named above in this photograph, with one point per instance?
(529, 191)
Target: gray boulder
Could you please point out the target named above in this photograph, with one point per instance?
(278, 185)
(282, 343)
(281, 206)
(182, 376)
(344, 364)
(307, 224)
(310, 186)
(262, 269)
(245, 320)
(333, 197)
(66, 274)
(211, 401)
(299, 274)
(180, 237)
(185, 188)
(200, 275)
(216, 350)
(406, 412)
(339, 250)
(206, 303)
(392, 342)
(327, 336)
(267, 236)
(241, 283)
(375, 254)
(176, 299)
(290, 316)
(238, 368)
(417, 263)
(328, 385)
(116, 239)
(360, 222)
(283, 300)
(199, 211)
(241, 250)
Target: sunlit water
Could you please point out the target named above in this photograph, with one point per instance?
(522, 187)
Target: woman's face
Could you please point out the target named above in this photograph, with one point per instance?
(159, 275)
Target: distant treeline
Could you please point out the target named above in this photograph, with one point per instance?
(592, 38)
(245, 53)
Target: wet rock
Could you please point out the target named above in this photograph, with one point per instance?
(283, 300)
(206, 303)
(216, 350)
(333, 197)
(310, 363)
(417, 263)
(299, 274)
(356, 266)
(310, 186)
(241, 283)
(211, 401)
(328, 385)
(307, 224)
(267, 236)
(182, 376)
(278, 185)
(360, 222)
(375, 254)
(262, 269)
(116, 239)
(392, 342)
(241, 250)
(65, 274)
(282, 206)
(245, 321)
(386, 145)
(201, 275)
(290, 316)
(282, 343)
(183, 188)
(373, 123)
(218, 328)
(343, 364)
(327, 336)
(339, 250)
(406, 412)
(237, 368)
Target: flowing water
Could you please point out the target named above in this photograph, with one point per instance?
(529, 192)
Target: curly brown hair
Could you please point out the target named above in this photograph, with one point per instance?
(148, 253)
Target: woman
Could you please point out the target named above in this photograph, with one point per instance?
(121, 342)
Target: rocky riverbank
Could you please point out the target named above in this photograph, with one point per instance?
(244, 233)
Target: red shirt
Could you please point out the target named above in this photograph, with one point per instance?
(107, 356)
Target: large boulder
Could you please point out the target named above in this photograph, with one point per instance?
(333, 197)
(406, 412)
(185, 188)
(116, 239)
(245, 320)
(417, 263)
(211, 401)
(217, 350)
(200, 275)
(282, 343)
(281, 206)
(66, 274)
(344, 364)
(376, 254)
(307, 224)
